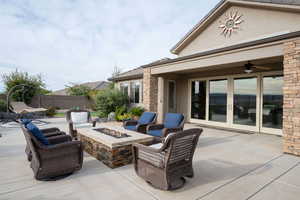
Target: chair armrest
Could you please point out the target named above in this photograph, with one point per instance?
(59, 139)
(167, 131)
(54, 134)
(155, 127)
(50, 130)
(146, 148)
(61, 149)
(130, 123)
(142, 128)
(153, 156)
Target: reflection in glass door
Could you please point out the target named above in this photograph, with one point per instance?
(272, 102)
(218, 100)
(198, 100)
(244, 101)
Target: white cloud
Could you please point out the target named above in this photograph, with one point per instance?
(78, 40)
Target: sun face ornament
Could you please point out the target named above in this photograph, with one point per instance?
(231, 23)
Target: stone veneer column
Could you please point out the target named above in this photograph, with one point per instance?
(150, 90)
(291, 92)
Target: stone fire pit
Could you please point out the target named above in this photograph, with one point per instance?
(111, 144)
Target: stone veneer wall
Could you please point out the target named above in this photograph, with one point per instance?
(291, 92)
(150, 90)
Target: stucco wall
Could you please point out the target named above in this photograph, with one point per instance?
(258, 23)
(182, 97)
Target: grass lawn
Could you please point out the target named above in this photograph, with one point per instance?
(62, 114)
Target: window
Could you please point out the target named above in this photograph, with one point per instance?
(124, 88)
(135, 92)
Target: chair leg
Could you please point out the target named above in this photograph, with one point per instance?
(29, 156)
(177, 183)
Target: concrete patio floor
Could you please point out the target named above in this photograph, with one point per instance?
(227, 165)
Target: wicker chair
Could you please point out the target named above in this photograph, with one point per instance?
(141, 124)
(49, 133)
(165, 167)
(73, 124)
(173, 122)
(61, 158)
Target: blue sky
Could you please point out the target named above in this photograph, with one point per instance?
(82, 40)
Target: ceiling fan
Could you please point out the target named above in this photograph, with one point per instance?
(249, 67)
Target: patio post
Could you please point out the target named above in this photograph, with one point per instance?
(160, 99)
(291, 92)
(150, 90)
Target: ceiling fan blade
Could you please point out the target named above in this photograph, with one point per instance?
(262, 67)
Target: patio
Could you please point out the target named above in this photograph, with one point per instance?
(227, 165)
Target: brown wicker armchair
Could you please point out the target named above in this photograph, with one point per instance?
(49, 133)
(62, 157)
(72, 123)
(165, 167)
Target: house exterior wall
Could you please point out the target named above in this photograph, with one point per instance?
(258, 23)
(182, 91)
(291, 109)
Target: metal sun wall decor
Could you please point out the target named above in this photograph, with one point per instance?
(231, 23)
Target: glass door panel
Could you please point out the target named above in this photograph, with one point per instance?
(244, 101)
(272, 102)
(198, 100)
(218, 100)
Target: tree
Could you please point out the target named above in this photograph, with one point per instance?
(116, 71)
(34, 85)
(78, 90)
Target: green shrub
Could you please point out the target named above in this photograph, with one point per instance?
(50, 112)
(125, 116)
(2, 105)
(109, 100)
(136, 111)
(121, 114)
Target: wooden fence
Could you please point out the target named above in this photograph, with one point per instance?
(60, 101)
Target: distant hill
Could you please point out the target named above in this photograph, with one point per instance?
(97, 85)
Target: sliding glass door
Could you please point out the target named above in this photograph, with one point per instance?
(218, 100)
(245, 103)
(272, 104)
(252, 103)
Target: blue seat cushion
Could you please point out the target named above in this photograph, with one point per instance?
(131, 128)
(156, 133)
(25, 121)
(147, 117)
(35, 131)
(173, 120)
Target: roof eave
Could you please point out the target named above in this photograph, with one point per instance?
(124, 78)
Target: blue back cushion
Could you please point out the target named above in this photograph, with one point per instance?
(146, 118)
(37, 133)
(25, 121)
(173, 120)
